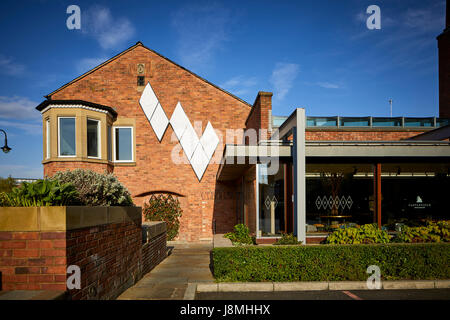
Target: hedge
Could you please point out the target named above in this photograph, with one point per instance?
(332, 263)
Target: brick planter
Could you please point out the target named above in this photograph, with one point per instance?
(37, 244)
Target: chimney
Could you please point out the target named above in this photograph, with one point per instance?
(260, 116)
(444, 67)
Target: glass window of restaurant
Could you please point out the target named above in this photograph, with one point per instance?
(271, 200)
(345, 197)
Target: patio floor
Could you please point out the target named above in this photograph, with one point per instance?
(188, 263)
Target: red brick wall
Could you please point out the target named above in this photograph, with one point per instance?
(250, 199)
(33, 260)
(108, 256)
(52, 167)
(259, 116)
(115, 85)
(111, 258)
(341, 135)
(153, 252)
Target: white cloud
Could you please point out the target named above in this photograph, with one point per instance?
(18, 108)
(87, 64)
(283, 77)
(28, 128)
(9, 67)
(240, 85)
(202, 30)
(110, 32)
(328, 85)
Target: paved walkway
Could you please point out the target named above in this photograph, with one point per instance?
(188, 263)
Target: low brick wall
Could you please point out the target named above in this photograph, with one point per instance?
(38, 244)
(154, 249)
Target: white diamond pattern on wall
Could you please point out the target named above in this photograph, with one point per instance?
(199, 151)
(159, 122)
(148, 101)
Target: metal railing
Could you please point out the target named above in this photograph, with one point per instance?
(369, 122)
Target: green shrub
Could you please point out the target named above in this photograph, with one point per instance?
(41, 193)
(166, 208)
(432, 232)
(96, 189)
(287, 239)
(240, 235)
(332, 263)
(368, 233)
(7, 184)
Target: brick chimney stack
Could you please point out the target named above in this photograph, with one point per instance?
(444, 67)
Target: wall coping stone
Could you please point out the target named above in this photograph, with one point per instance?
(63, 218)
(152, 229)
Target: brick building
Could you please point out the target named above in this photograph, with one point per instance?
(162, 129)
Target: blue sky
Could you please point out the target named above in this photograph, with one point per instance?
(314, 54)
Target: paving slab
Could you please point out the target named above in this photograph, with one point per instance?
(187, 265)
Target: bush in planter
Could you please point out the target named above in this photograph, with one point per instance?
(166, 208)
(96, 189)
(368, 233)
(40, 193)
(432, 232)
(288, 239)
(240, 235)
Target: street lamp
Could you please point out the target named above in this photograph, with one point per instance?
(5, 148)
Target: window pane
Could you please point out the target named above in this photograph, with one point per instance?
(271, 201)
(67, 136)
(123, 144)
(321, 122)
(109, 143)
(92, 138)
(418, 122)
(354, 122)
(386, 122)
(48, 140)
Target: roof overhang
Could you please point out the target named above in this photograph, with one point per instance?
(238, 158)
(47, 104)
(378, 149)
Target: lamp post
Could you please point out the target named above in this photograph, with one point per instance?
(5, 148)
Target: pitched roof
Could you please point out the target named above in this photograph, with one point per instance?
(48, 96)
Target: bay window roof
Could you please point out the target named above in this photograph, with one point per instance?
(75, 103)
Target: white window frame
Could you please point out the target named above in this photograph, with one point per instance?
(59, 138)
(109, 142)
(114, 143)
(99, 140)
(47, 138)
